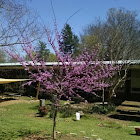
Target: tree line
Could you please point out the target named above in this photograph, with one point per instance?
(118, 36)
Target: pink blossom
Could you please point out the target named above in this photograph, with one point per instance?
(86, 72)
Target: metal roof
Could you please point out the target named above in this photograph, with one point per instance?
(55, 63)
(19, 65)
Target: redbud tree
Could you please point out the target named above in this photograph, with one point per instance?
(68, 73)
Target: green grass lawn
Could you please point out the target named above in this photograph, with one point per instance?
(17, 121)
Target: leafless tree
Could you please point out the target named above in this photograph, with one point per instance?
(17, 21)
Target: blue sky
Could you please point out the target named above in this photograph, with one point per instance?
(89, 10)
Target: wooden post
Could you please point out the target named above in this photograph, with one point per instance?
(103, 97)
(38, 90)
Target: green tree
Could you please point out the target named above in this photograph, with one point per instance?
(12, 60)
(69, 41)
(92, 42)
(27, 57)
(52, 57)
(42, 51)
(89, 40)
(2, 56)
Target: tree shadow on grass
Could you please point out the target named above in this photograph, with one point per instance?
(36, 137)
(134, 134)
(125, 117)
(6, 99)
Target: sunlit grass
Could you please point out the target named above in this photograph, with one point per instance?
(20, 120)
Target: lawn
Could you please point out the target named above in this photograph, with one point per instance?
(21, 121)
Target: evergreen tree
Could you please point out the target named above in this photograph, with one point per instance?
(69, 40)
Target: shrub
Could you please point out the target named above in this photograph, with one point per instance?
(66, 111)
(43, 110)
(100, 109)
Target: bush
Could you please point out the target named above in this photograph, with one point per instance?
(77, 100)
(66, 111)
(100, 109)
(43, 110)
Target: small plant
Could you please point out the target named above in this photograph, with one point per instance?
(43, 110)
(24, 132)
(52, 112)
(66, 111)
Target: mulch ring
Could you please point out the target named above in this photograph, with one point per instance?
(59, 137)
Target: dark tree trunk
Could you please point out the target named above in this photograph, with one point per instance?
(110, 96)
(55, 104)
(54, 122)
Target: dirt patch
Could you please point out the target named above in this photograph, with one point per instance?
(68, 137)
(5, 103)
(35, 137)
(40, 137)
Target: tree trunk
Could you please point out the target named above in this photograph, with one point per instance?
(112, 90)
(38, 90)
(54, 122)
(110, 95)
